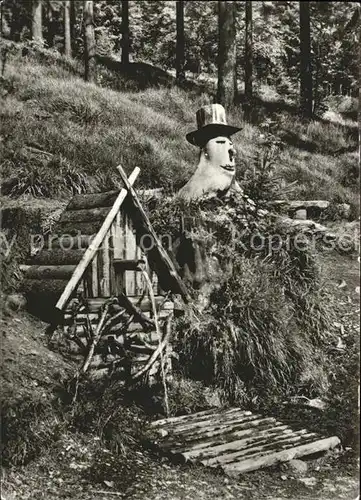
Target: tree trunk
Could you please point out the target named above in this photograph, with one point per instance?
(180, 58)
(248, 69)
(89, 41)
(16, 22)
(125, 32)
(226, 53)
(67, 32)
(37, 24)
(72, 26)
(305, 61)
(50, 26)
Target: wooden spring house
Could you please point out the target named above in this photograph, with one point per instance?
(100, 248)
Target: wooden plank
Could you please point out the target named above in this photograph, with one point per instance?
(131, 249)
(282, 456)
(139, 280)
(105, 282)
(96, 242)
(178, 284)
(94, 274)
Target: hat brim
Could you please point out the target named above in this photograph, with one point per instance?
(201, 136)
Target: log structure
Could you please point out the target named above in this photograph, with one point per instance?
(235, 440)
(96, 250)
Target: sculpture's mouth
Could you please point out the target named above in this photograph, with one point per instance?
(229, 168)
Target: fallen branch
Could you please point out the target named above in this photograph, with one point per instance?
(154, 356)
(139, 316)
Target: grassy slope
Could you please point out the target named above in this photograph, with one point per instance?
(89, 129)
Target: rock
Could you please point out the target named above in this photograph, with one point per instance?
(297, 467)
(308, 481)
(15, 302)
(300, 214)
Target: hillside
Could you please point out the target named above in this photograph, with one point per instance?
(60, 135)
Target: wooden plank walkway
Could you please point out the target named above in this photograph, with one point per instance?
(236, 440)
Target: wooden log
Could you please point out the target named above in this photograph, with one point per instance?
(84, 215)
(264, 444)
(249, 436)
(92, 200)
(212, 419)
(195, 429)
(241, 444)
(50, 272)
(142, 221)
(195, 417)
(95, 244)
(126, 265)
(222, 428)
(48, 286)
(282, 456)
(77, 242)
(57, 257)
(89, 229)
(94, 304)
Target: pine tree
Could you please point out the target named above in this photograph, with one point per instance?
(37, 21)
(226, 53)
(180, 48)
(89, 40)
(248, 67)
(67, 29)
(125, 32)
(305, 61)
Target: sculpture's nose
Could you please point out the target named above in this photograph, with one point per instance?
(232, 153)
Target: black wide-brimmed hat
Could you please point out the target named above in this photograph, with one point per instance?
(211, 122)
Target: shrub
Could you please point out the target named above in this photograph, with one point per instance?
(251, 341)
(29, 427)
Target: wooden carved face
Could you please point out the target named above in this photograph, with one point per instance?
(215, 172)
(220, 152)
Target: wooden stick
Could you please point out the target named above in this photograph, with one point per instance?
(163, 254)
(154, 356)
(95, 339)
(94, 245)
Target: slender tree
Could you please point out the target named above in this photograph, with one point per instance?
(89, 40)
(37, 21)
(125, 32)
(51, 25)
(67, 30)
(305, 61)
(180, 46)
(226, 53)
(72, 25)
(248, 65)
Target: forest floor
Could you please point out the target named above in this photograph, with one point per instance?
(79, 466)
